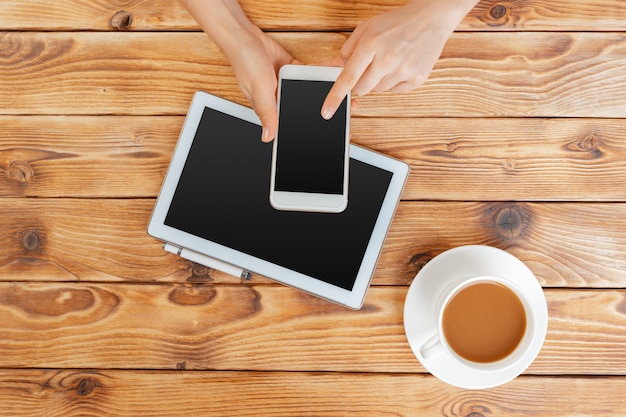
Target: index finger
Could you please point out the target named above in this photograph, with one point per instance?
(347, 79)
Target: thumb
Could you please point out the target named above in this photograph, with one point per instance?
(264, 104)
(270, 126)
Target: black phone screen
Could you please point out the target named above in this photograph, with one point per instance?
(310, 155)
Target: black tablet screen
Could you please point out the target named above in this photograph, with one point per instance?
(223, 196)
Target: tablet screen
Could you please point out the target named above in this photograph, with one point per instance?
(223, 196)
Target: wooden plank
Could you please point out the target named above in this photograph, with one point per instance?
(102, 156)
(564, 244)
(478, 75)
(109, 72)
(122, 393)
(266, 328)
(562, 15)
(511, 159)
(141, 15)
(92, 240)
(519, 74)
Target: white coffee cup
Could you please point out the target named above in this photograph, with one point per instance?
(437, 344)
(442, 278)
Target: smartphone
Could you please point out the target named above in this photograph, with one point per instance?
(310, 158)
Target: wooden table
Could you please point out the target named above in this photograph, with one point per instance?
(517, 141)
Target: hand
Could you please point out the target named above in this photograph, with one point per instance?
(254, 56)
(397, 50)
(256, 63)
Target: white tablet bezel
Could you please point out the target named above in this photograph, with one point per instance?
(349, 298)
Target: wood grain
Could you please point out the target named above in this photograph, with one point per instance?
(564, 244)
(103, 156)
(122, 393)
(516, 141)
(478, 75)
(266, 328)
(143, 15)
(527, 159)
(78, 240)
(511, 159)
(105, 240)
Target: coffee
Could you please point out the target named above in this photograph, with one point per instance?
(484, 322)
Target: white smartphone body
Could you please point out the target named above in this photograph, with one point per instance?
(310, 157)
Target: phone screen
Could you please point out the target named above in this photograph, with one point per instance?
(310, 155)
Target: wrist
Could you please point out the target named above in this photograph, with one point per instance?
(223, 20)
(446, 12)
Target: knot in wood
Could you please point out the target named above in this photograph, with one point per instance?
(589, 143)
(192, 296)
(510, 221)
(475, 414)
(498, 11)
(21, 171)
(452, 146)
(509, 165)
(31, 240)
(122, 20)
(418, 261)
(200, 273)
(497, 15)
(86, 386)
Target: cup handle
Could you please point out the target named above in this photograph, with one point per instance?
(432, 347)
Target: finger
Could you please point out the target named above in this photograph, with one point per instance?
(347, 79)
(351, 43)
(354, 106)
(270, 127)
(370, 80)
(399, 83)
(387, 83)
(403, 87)
(353, 68)
(269, 121)
(264, 105)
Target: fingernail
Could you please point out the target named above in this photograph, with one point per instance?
(328, 112)
(265, 136)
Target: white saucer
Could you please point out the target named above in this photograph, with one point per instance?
(420, 318)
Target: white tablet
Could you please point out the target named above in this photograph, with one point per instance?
(214, 209)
